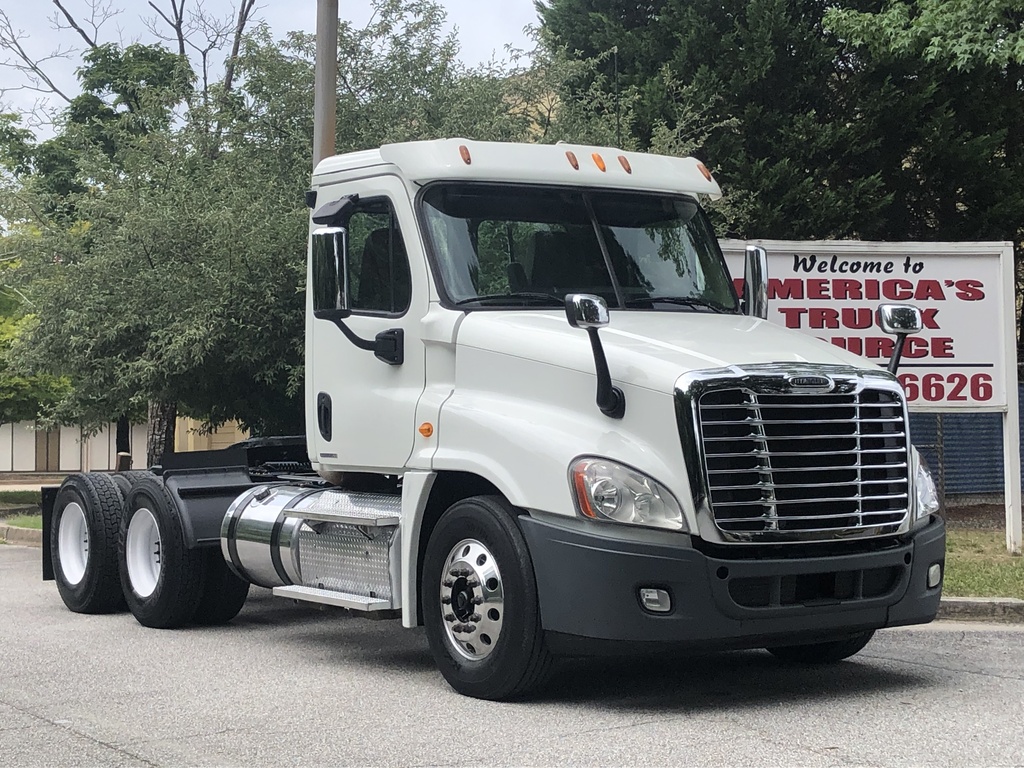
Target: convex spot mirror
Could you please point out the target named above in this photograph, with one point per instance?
(897, 319)
(330, 273)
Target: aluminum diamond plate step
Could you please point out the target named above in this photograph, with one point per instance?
(330, 597)
(375, 510)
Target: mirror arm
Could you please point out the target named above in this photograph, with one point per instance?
(388, 346)
(610, 399)
(897, 353)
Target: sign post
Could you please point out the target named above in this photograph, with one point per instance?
(964, 359)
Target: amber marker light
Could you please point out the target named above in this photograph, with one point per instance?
(581, 491)
(704, 171)
(464, 151)
(599, 162)
(426, 429)
(572, 160)
(625, 164)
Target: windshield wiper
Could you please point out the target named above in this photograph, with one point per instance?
(519, 297)
(682, 301)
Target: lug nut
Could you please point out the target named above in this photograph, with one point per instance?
(477, 600)
(447, 583)
(472, 582)
(475, 617)
(449, 617)
(446, 600)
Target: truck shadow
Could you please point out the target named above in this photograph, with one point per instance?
(725, 680)
(676, 683)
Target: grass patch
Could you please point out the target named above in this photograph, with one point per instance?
(26, 521)
(21, 497)
(978, 565)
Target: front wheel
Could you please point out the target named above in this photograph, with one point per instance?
(480, 604)
(823, 653)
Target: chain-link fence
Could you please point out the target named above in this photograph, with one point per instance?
(965, 453)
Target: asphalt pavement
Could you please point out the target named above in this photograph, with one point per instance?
(288, 684)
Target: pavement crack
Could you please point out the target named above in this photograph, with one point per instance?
(1016, 678)
(82, 735)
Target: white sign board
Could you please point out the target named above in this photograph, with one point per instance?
(830, 289)
(966, 357)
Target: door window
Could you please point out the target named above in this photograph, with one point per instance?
(378, 267)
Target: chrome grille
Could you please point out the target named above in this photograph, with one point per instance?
(833, 463)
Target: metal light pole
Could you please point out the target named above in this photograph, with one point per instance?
(325, 85)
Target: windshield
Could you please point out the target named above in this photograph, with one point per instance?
(502, 245)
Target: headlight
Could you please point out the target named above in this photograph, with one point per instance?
(927, 494)
(615, 493)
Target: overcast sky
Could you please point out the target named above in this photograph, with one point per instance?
(484, 28)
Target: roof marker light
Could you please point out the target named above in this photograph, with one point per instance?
(704, 171)
(625, 164)
(599, 162)
(572, 160)
(464, 151)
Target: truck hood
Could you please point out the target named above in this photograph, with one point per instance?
(648, 349)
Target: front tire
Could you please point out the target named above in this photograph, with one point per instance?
(480, 607)
(823, 653)
(83, 543)
(161, 577)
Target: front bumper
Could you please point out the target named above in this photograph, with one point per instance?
(589, 584)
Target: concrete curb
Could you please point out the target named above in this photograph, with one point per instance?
(26, 537)
(1001, 609)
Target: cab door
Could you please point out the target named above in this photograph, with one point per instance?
(360, 407)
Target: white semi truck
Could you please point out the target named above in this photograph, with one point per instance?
(540, 421)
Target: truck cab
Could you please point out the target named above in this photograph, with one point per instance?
(541, 422)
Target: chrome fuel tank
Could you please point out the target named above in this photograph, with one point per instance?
(257, 539)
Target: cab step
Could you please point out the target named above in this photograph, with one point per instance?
(330, 597)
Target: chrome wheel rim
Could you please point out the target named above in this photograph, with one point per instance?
(143, 552)
(73, 543)
(472, 600)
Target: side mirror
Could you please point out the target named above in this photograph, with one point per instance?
(589, 312)
(584, 310)
(755, 282)
(899, 320)
(330, 273)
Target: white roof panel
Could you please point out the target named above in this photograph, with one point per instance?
(424, 161)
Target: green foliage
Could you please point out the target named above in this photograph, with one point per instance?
(978, 565)
(164, 259)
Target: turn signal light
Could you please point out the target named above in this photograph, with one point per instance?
(426, 429)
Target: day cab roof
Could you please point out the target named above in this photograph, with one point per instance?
(421, 162)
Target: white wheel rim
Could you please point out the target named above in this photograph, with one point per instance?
(143, 552)
(73, 543)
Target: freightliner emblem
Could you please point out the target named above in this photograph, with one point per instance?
(811, 383)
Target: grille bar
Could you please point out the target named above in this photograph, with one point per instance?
(830, 468)
(822, 436)
(818, 463)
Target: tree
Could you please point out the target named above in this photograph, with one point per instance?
(962, 176)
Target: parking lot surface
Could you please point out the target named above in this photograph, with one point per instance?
(293, 685)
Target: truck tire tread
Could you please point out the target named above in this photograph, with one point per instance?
(99, 590)
(175, 600)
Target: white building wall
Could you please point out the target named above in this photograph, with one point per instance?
(6, 447)
(138, 443)
(96, 455)
(23, 447)
(70, 449)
